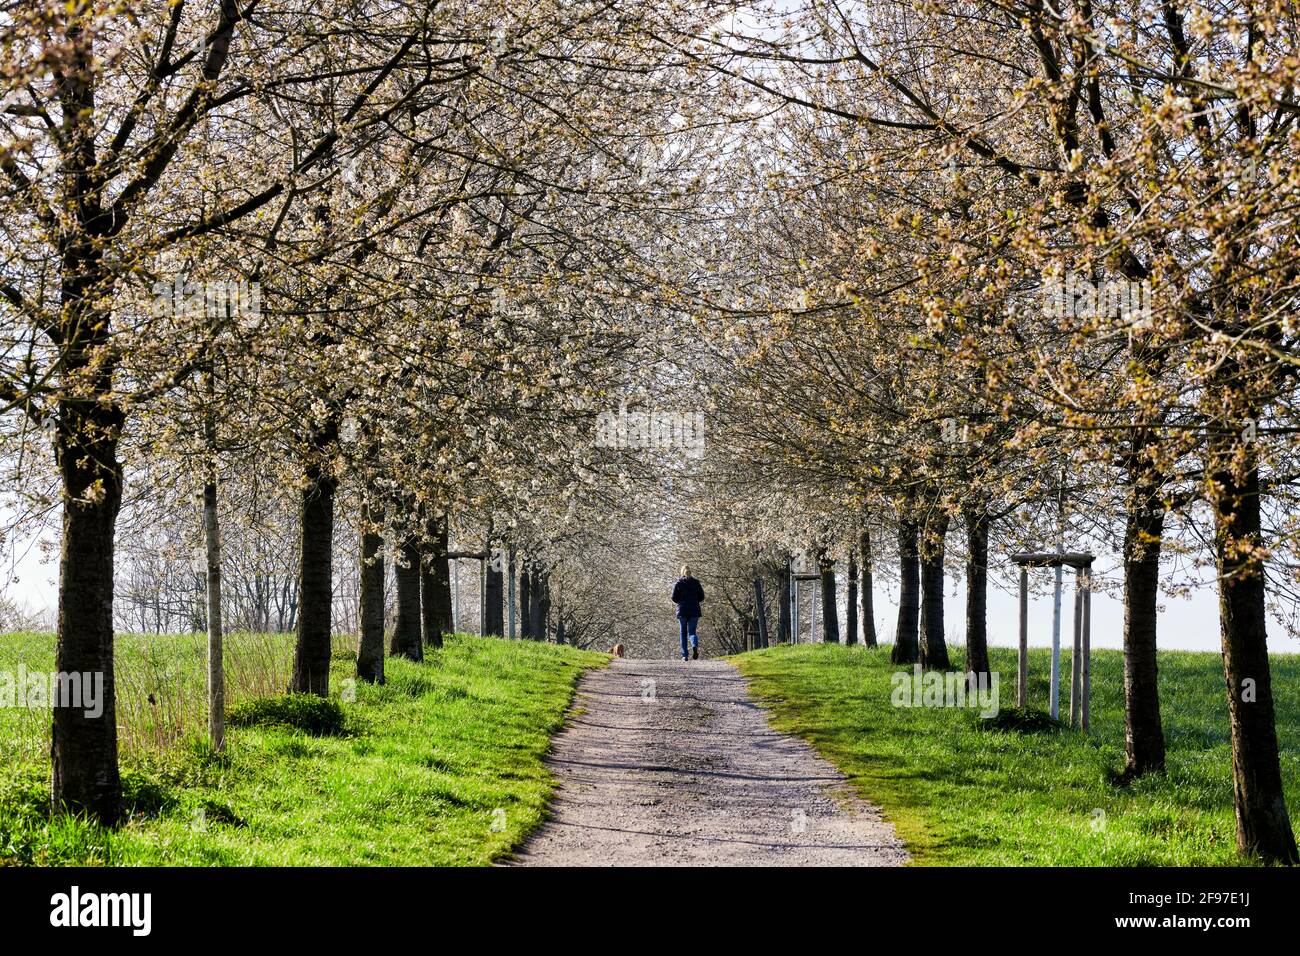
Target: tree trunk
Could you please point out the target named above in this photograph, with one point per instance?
(83, 748)
(493, 617)
(851, 604)
(216, 667)
(311, 658)
(1144, 740)
(760, 612)
(212, 540)
(512, 608)
(830, 610)
(435, 583)
(526, 600)
(783, 635)
(868, 615)
(543, 590)
(1263, 825)
(906, 644)
(406, 631)
(934, 647)
(977, 588)
(370, 649)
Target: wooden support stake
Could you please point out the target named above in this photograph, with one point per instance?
(762, 612)
(1054, 687)
(1076, 649)
(1086, 652)
(1022, 669)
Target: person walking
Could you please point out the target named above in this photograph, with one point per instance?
(688, 595)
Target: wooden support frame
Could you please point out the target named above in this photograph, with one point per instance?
(794, 604)
(1080, 658)
(1086, 656)
(1076, 649)
(1022, 666)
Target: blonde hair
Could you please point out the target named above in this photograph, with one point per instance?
(686, 570)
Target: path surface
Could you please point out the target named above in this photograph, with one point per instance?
(671, 763)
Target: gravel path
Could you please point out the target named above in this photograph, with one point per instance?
(670, 763)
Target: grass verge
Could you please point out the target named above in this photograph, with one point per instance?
(960, 792)
(440, 766)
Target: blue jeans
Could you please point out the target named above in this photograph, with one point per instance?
(688, 627)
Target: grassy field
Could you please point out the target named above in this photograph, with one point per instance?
(442, 765)
(962, 794)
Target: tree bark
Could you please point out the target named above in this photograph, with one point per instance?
(512, 607)
(830, 610)
(435, 582)
(494, 615)
(868, 615)
(542, 589)
(212, 541)
(311, 658)
(906, 643)
(370, 649)
(526, 600)
(851, 604)
(1144, 739)
(1263, 825)
(216, 667)
(977, 587)
(83, 749)
(406, 631)
(934, 646)
(783, 635)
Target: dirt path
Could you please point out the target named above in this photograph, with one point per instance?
(671, 763)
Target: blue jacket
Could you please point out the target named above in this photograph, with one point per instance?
(688, 595)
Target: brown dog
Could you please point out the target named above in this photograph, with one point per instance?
(617, 650)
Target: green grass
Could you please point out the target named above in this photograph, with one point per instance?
(959, 793)
(440, 766)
